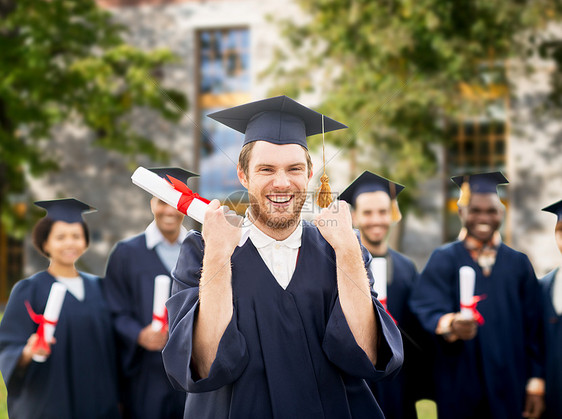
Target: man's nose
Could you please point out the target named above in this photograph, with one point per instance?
(281, 180)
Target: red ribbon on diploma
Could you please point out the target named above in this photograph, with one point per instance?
(163, 319)
(41, 321)
(187, 194)
(472, 306)
(383, 302)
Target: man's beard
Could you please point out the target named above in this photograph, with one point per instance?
(261, 212)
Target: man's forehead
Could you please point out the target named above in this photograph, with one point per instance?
(485, 199)
(369, 200)
(274, 154)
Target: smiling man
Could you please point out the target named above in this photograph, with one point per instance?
(286, 325)
(491, 368)
(131, 270)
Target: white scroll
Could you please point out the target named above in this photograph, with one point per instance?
(161, 293)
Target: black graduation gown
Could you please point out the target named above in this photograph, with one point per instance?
(78, 379)
(397, 395)
(489, 372)
(146, 390)
(285, 353)
(553, 349)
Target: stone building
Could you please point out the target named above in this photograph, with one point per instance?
(223, 47)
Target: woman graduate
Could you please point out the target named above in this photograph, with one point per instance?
(77, 378)
(552, 321)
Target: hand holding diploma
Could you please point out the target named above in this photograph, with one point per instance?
(465, 324)
(178, 195)
(38, 345)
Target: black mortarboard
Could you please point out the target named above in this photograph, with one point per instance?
(68, 210)
(370, 182)
(480, 183)
(556, 209)
(176, 172)
(278, 120)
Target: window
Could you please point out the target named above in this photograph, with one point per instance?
(224, 81)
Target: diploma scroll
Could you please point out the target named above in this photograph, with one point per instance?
(47, 325)
(467, 278)
(186, 201)
(161, 293)
(378, 268)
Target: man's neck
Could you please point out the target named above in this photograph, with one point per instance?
(171, 238)
(375, 249)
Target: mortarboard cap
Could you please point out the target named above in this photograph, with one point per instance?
(479, 183)
(278, 120)
(68, 210)
(370, 182)
(556, 209)
(176, 172)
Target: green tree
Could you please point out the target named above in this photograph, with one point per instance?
(67, 61)
(393, 69)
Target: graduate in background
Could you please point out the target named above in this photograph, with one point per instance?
(131, 270)
(375, 209)
(489, 366)
(78, 379)
(286, 325)
(552, 323)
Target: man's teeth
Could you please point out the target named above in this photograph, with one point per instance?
(280, 199)
(483, 227)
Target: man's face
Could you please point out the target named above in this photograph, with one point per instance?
(277, 179)
(168, 219)
(558, 235)
(483, 216)
(373, 216)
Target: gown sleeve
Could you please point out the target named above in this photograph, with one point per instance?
(340, 346)
(531, 294)
(117, 289)
(15, 329)
(232, 353)
(433, 296)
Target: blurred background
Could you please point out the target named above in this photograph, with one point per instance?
(89, 90)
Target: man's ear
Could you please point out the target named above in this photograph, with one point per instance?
(241, 176)
(311, 171)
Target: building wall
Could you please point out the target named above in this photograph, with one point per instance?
(102, 178)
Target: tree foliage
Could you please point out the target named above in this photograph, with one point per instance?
(393, 70)
(67, 61)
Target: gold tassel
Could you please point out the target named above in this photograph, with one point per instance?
(324, 198)
(395, 214)
(464, 198)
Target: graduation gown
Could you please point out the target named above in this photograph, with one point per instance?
(489, 372)
(146, 390)
(553, 349)
(78, 379)
(397, 395)
(286, 353)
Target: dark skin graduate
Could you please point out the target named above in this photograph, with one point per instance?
(482, 218)
(277, 180)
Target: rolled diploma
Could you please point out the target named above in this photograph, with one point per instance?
(160, 188)
(378, 268)
(161, 294)
(52, 312)
(467, 278)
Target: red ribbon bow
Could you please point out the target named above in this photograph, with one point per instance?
(41, 321)
(162, 319)
(383, 302)
(187, 194)
(472, 306)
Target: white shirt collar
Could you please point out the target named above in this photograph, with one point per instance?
(260, 239)
(154, 236)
